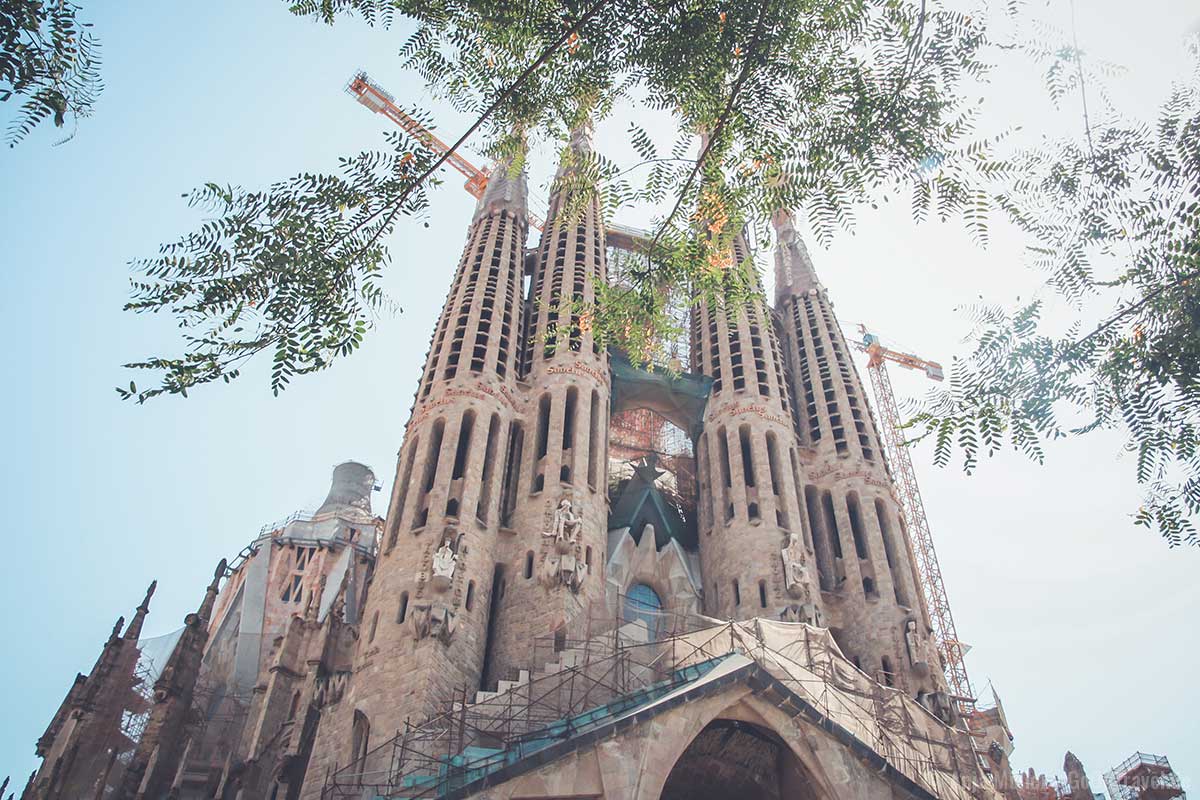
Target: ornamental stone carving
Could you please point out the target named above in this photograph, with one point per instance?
(808, 613)
(912, 643)
(330, 688)
(939, 704)
(444, 562)
(795, 572)
(565, 565)
(565, 528)
(434, 620)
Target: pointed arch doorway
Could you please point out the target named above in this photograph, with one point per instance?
(736, 759)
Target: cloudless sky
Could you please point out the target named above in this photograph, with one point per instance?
(1085, 624)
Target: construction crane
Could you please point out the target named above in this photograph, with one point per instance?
(373, 96)
(951, 648)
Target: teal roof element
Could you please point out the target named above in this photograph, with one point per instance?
(459, 774)
(640, 503)
(678, 397)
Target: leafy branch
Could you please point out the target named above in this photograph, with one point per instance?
(801, 97)
(49, 59)
(1114, 220)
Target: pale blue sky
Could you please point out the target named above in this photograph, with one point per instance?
(1086, 625)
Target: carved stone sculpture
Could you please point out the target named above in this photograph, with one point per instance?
(435, 620)
(330, 688)
(795, 573)
(565, 566)
(444, 562)
(566, 527)
(912, 644)
(808, 613)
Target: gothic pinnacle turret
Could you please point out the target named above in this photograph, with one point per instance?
(134, 631)
(153, 764)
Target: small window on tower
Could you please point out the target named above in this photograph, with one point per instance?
(294, 706)
(293, 589)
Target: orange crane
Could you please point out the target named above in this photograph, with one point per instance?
(373, 96)
(951, 648)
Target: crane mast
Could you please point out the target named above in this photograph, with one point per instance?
(949, 646)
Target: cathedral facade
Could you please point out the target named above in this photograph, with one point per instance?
(594, 578)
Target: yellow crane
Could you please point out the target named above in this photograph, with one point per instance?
(949, 645)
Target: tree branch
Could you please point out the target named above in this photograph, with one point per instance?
(1115, 318)
(504, 96)
(717, 129)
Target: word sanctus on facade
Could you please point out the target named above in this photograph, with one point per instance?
(594, 579)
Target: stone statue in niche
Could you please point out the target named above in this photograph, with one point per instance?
(795, 573)
(566, 527)
(912, 643)
(435, 620)
(444, 562)
(565, 565)
(939, 704)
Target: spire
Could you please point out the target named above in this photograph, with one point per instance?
(579, 144)
(134, 631)
(794, 272)
(581, 136)
(152, 766)
(210, 595)
(1077, 778)
(505, 190)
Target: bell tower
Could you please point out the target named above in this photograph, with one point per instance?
(556, 512)
(864, 561)
(423, 627)
(755, 549)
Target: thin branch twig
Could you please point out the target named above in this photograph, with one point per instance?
(717, 130)
(545, 56)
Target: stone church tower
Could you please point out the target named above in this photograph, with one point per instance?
(854, 525)
(594, 579)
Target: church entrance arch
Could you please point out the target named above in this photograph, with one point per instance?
(736, 759)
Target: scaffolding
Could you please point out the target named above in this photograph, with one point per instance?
(624, 665)
(1144, 777)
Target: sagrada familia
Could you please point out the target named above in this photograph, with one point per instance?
(594, 578)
